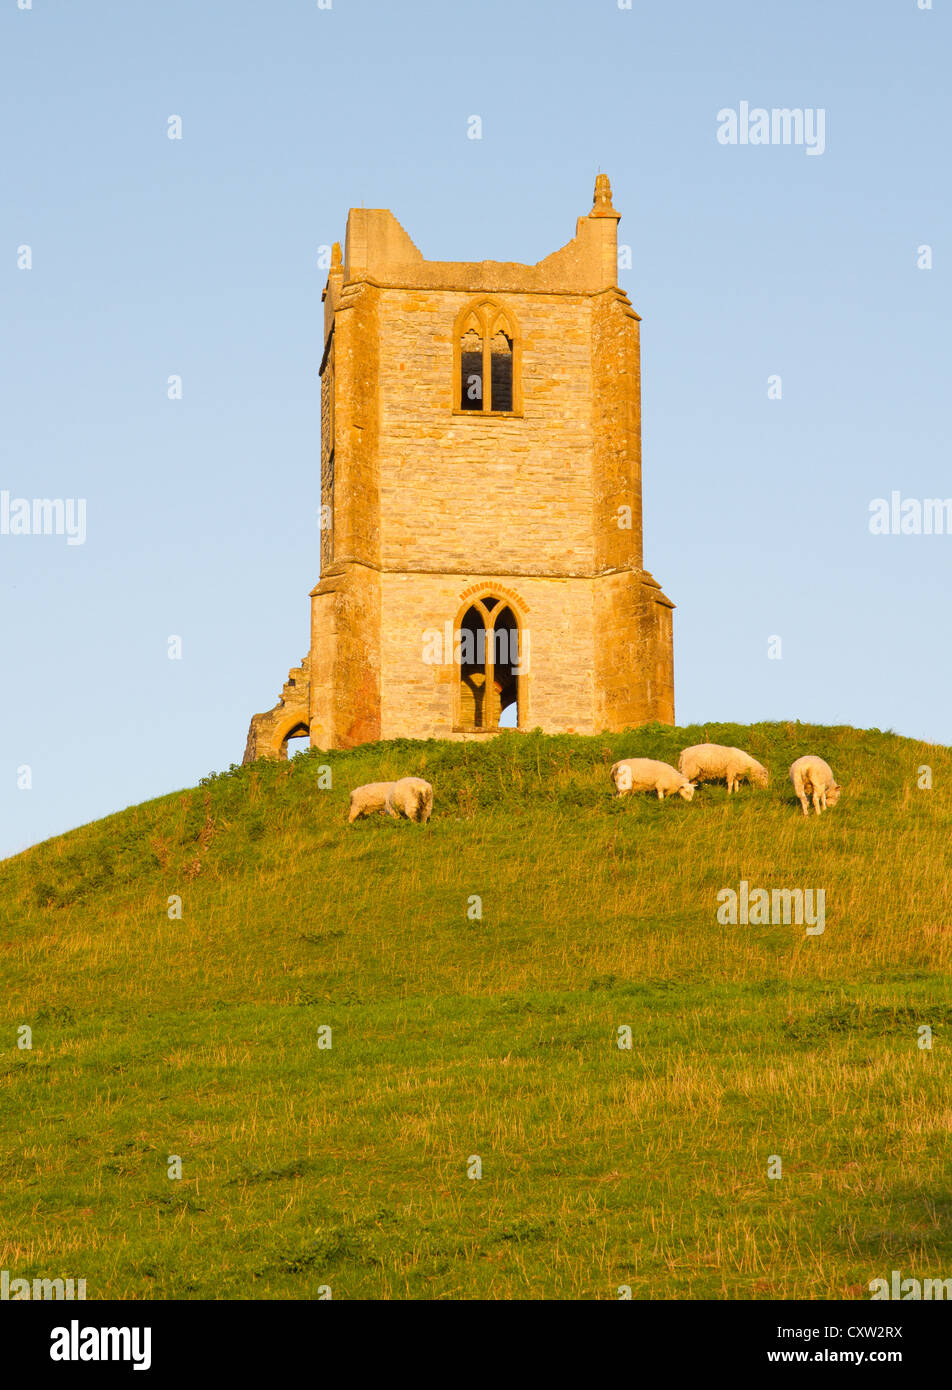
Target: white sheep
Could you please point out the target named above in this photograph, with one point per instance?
(365, 800)
(410, 797)
(714, 762)
(649, 775)
(812, 777)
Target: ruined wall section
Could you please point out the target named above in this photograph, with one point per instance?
(268, 733)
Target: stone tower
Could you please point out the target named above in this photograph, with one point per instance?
(481, 543)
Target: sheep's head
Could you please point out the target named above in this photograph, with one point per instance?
(760, 776)
(833, 794)
(687, 790)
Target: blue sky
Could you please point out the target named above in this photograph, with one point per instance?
(198, 257)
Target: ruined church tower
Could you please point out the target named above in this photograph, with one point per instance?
(481, 541)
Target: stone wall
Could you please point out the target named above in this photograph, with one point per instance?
(555, 616)
(464, 491)
(268, 733)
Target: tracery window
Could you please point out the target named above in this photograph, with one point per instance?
(487, 360)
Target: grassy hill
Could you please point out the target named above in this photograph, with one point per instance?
(305, 1166)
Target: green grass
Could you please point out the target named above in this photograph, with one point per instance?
(306, 1166)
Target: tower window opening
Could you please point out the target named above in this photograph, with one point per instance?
(487, 360)
(501, 372)
(489, 654)
(471, 371)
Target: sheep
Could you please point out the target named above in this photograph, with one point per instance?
(365, 800)
(812, 777)
(649, 775)
(410, 797)
(713, 762)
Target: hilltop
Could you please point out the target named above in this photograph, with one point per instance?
(453, 1036)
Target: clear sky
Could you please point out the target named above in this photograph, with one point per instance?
(154, 257)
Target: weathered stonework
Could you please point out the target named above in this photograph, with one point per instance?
(269, 733)
(434, 498)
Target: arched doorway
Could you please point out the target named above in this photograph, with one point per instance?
(296, 740)
(488, 647)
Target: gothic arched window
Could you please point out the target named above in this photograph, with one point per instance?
(486, 360)
(491, 653)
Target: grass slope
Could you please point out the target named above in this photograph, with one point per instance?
(346, 1167)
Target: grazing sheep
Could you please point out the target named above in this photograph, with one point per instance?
(812, 777)
(649, 775)
(410, 797)
(365, 800)
(713, 762)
